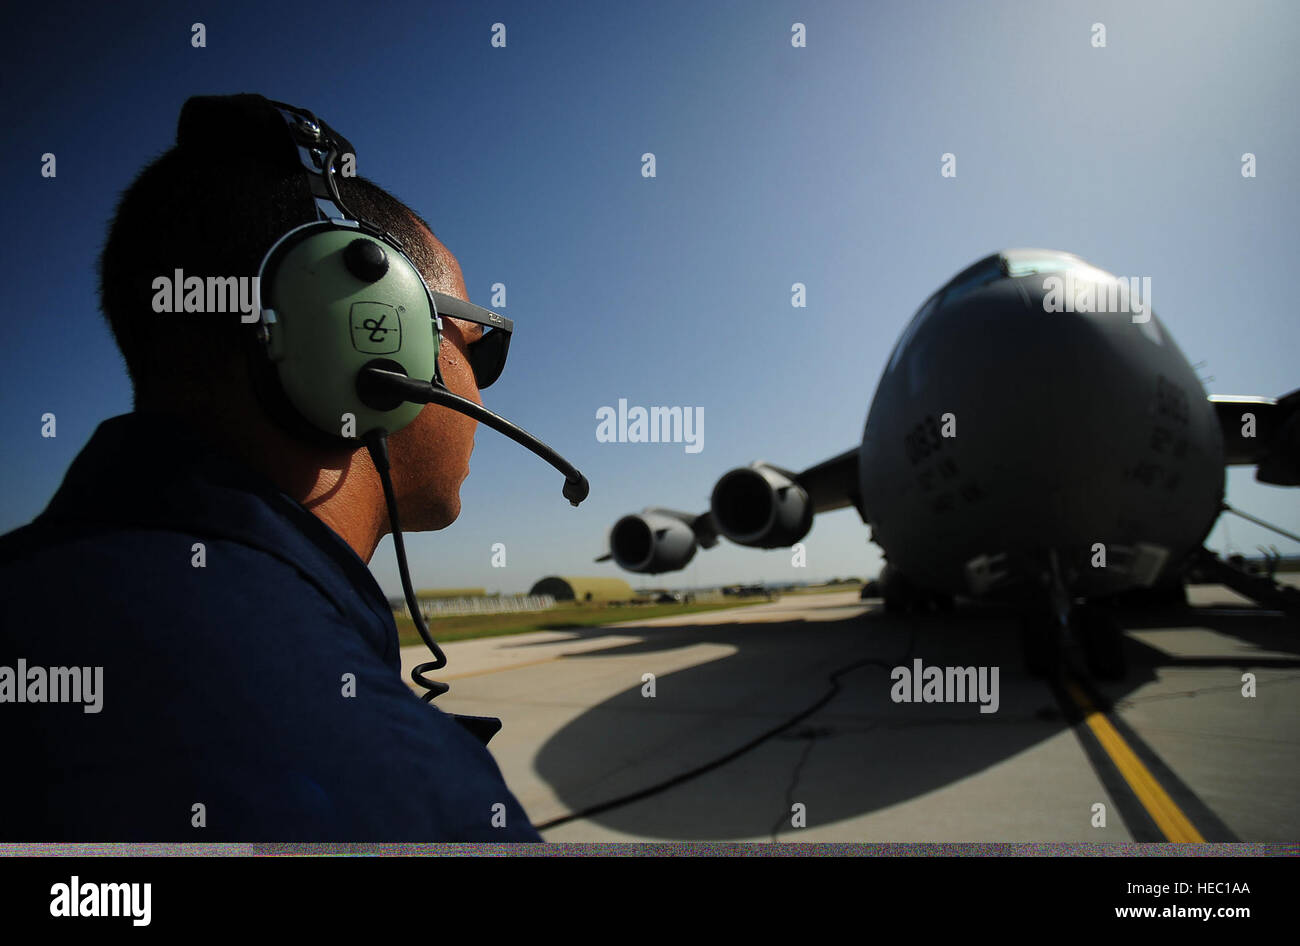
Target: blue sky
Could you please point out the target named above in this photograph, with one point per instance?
(775, 165)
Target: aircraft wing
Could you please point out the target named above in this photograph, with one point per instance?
(832, 484)
(761, 505)
(1263, 432)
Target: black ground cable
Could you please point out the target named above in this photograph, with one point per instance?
(833, 679)
(794, 783)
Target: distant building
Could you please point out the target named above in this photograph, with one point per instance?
(594, 590)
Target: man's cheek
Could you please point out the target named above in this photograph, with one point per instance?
(453, 365)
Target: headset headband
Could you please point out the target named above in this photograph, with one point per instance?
(318, 146)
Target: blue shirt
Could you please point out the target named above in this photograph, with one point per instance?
(249, 693)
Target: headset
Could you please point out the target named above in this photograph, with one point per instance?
(348, 335)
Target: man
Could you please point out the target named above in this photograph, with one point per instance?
(213, 563)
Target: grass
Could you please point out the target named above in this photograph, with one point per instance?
(555, 619)
(823, 589)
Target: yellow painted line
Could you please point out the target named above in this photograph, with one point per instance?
(1162, 809)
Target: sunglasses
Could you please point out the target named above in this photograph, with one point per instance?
(487, 354)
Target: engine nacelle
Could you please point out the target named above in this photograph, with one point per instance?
(651, 542)
(760, 506)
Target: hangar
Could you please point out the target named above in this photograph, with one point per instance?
(595, 590)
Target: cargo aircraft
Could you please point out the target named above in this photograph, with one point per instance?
(1037, 438)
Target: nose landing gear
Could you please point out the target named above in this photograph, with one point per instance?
(1045, 638)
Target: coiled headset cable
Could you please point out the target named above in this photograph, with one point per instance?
(381, 388)
(377, 445)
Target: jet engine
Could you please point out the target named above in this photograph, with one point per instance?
(652, 542)
(761, 506)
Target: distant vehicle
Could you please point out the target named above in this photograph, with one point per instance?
(1017, 451)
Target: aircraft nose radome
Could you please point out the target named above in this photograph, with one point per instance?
(1063, 388)
(1030, 395)
(1005, 423)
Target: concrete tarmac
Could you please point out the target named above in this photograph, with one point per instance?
(777, 721)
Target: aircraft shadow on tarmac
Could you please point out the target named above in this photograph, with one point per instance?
(861, 751)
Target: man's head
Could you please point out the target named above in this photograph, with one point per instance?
(215, 211)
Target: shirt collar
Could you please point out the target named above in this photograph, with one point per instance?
(143, 469)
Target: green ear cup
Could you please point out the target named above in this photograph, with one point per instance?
(326, 323)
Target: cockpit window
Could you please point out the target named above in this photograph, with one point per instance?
(1029, 262)
(921, 314)
(1048, 264)
(971, 278)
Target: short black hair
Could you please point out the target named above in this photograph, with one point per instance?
(213, 215)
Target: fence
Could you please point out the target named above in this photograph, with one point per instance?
(456, 607)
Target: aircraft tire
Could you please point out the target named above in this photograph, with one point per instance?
(1041, 646)
(1102, 641)
(895, 604)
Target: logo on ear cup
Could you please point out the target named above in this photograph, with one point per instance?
(376, 328)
